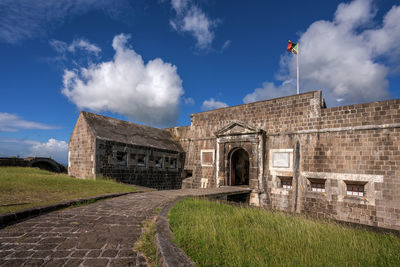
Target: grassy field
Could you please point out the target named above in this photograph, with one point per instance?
(216, 234)
(22, 188)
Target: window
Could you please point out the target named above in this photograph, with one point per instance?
(317, 185)
(158, 162)
(121, 158)
(187, 173)
(286, 182)
(173, 163)
(141, 159)
(355, 189)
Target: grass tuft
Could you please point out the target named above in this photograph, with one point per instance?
(217, 234)
(22, 188)
(146, 243)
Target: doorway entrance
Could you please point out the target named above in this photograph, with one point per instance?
(239, 167)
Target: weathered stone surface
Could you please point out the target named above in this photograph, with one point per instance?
(97, 234)
(128, 152)
(356, 143)
(171, 254)
(340, 147)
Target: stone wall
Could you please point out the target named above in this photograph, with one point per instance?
(339, 147)
(81, 151)
(47, 164)
(145, 166)
(286, 114)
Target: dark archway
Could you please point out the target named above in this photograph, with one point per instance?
(239, 167)
(44, 165)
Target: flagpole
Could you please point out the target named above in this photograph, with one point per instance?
(297, 57)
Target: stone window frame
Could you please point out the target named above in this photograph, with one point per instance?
(173, 162)
(213, 157)
(286, 182)
(317, 185)
(161, 163)
(353, 185)
(144, 164)
(371, 192)
(116, 156)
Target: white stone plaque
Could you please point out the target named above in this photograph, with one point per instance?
(280, 159)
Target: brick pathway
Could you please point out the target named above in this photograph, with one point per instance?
(99, 234)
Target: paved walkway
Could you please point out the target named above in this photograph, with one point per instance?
(99, 234)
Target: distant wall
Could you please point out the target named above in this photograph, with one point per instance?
(36, 162)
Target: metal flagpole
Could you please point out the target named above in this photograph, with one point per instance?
(297, 57)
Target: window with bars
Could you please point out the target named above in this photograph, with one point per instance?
(286, 182)
(121, 157)
(141, 159)
(174, 163)
(317, 185)
(355, 189)
(158, 162)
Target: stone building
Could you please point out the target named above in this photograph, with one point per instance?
(295, 154)
(131, 153)
(298, 156)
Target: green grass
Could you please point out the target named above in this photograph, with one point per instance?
(22, 188)
(146, 243)
(216, 234)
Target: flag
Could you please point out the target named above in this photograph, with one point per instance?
(292, 48)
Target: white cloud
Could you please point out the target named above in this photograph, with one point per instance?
(146, 92)
(190, 18)
(343, 57)
(13, 123)
(77, 44)
(269, 90)
(55, 149)
(225, 45)
(188, 100)
(212, 104)
(26, 19)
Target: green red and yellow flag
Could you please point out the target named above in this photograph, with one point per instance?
(292, 48)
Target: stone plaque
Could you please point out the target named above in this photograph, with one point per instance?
(207, 157)
(280, 159)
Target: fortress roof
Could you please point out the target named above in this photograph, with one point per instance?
(107, 128)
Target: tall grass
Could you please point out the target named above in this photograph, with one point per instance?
(216, 234)
(146, 243)
(28, 187)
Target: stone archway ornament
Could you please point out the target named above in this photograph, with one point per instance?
(238, 134)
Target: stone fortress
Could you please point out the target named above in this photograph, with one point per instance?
(295, 154)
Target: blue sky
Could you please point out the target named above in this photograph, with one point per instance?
(156, 62)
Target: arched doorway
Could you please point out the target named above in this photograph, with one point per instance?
(239, 167)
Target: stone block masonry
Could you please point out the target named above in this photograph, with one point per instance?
(157, 170)
(81, 150)
(130, 153)
(341, 163)
(293, 152)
